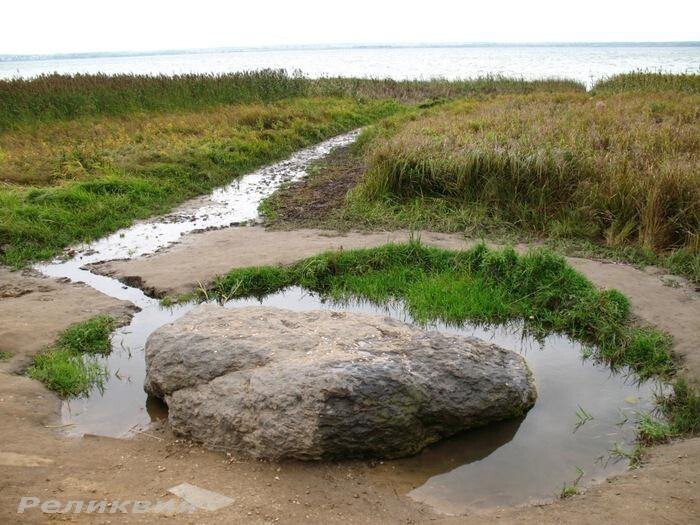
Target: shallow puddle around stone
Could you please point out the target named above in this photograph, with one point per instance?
(513, 462)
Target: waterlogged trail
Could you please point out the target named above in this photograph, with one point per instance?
(510, 463)
(121, 407)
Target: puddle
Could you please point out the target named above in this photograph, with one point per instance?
(509, 463)
(519, 461)
(514, 462)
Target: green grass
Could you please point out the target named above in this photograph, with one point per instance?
(683, 261)
(568, 491)
(88, 337)
(67, 373)
(679, 416)
(5, 356)
(651, 431)
(634, 456)
(474, 221)
(682, 409)
(70, 367)
(102, 178)
(489, 286)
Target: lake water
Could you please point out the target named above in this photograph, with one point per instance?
(586, 63)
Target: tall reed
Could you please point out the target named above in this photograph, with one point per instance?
(646, 81)
(623, 168)
(61, 97)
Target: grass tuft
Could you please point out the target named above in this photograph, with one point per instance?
(652, 431)
(634, 457)
(682, 409)
(67, 373)
(70, 367)
(569, 491)
(680, 416)
(88, 337)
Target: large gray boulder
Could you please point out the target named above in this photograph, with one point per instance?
(274, 383)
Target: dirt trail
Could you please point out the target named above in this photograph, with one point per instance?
(37, 460)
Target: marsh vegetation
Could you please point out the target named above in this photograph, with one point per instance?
(615, 172)
(84, 155)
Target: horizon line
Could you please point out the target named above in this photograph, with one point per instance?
(9, 57)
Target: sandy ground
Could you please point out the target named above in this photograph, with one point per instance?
(37, 460)
(34, 309)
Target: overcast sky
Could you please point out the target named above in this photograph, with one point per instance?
(59, 26)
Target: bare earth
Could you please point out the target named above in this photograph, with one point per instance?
(37, 460)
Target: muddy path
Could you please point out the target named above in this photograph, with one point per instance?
(40, 458)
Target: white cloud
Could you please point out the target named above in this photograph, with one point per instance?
(50, 26)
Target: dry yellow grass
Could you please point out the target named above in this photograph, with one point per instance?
(66, 150)
(624, 167)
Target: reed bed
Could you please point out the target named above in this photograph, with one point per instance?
(645, 81)
(61, 97)
(425, 91)
(621, 168)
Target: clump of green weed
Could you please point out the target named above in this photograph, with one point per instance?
(5, 356)
(679, 416)
(651, 431)
(571, 490)
(67, 373)
(88, 337)
(568, 491)
(70, 367)
(634, 456)
(682, 409)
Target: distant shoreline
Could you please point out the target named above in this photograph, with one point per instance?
(331, 47)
